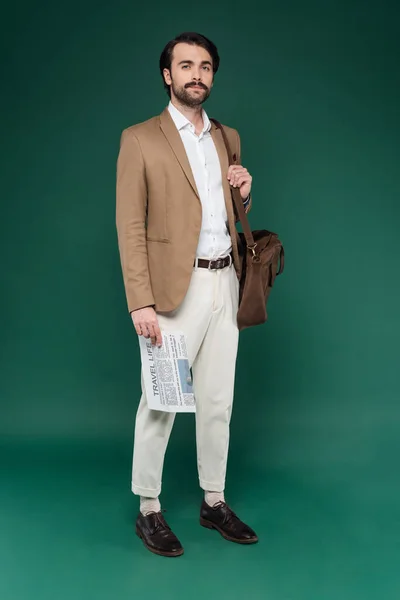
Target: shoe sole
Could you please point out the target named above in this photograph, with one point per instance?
(210, 525)
(159, 552)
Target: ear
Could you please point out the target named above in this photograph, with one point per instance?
(167, 76)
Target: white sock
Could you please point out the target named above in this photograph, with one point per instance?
(148, 505)
(213, 497)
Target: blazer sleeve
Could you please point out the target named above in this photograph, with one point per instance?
(131, 214)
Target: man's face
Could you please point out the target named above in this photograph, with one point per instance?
(191, 75)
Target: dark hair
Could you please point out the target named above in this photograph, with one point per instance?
(188, 37)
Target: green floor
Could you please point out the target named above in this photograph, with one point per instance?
(67, 516)
(314, 90)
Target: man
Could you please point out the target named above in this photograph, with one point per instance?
(179, 256)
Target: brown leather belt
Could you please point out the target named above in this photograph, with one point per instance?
(216, 263)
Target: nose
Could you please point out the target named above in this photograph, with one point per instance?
(197, 74)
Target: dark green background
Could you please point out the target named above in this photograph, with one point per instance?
(313, 88)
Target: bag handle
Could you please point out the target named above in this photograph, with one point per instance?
(251, 245)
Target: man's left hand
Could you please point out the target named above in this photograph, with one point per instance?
(239, 177)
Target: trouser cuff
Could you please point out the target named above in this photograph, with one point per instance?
(148, 493)
(208, 486)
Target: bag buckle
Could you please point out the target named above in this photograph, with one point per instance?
(252, 248)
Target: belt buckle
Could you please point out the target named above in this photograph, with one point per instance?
(218, 263)
(214, 262)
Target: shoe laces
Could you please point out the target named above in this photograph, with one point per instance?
(160, 521)
(229, 512)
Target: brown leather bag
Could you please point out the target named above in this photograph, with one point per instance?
(261, 252)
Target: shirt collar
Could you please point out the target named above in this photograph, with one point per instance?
(181, 121)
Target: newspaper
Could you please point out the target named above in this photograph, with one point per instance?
(166, 373)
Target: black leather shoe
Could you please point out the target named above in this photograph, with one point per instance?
(157, 535)
(224, 520)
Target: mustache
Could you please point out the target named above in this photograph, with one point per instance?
(193, 84)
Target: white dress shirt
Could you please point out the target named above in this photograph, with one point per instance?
(214, 240)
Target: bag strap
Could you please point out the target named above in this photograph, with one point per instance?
(251, 245)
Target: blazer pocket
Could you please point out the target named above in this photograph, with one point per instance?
(157, 240)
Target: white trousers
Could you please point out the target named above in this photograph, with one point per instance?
(207, 316)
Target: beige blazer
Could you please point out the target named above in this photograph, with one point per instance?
(159, 213)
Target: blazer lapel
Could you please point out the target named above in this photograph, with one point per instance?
(224, 162)
(174, 139)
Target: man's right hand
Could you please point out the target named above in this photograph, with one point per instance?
(146, 323)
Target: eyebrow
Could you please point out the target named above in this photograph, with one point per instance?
(190, 62)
